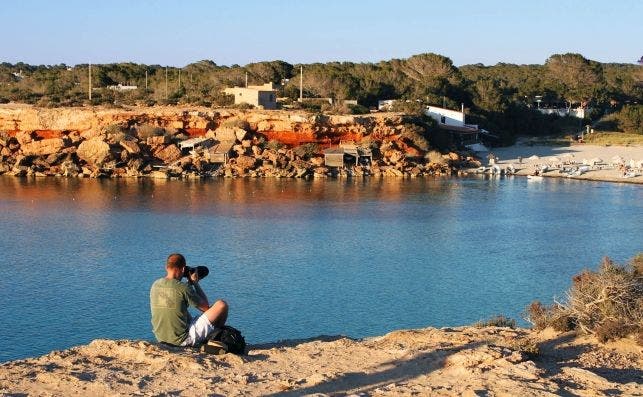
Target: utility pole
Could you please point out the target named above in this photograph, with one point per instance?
(90, 81)
(301, 83)
(166, 83)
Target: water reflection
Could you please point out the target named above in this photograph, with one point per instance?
(329, 254)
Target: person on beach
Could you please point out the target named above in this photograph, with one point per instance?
(169, 301)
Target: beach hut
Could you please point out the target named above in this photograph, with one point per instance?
(334, 157)
(220, 153)
(347, 152)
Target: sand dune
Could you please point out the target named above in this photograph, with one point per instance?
(450, 361)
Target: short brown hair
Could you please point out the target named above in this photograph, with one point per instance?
(175, 261)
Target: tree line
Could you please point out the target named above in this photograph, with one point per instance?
(501, 96)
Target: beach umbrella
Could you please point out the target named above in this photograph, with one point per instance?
(533, 158)
(618, 160)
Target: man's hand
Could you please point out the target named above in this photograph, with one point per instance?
(194, 277)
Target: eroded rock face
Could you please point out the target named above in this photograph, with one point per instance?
(256, 151)
(94, 151)
(43, 147)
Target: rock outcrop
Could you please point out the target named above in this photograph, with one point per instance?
(133, 142)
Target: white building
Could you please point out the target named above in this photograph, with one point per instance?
(121, 87)
(385, 105)
(447, 116)
(580, 113)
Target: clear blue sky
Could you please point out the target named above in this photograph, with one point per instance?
(239, 32)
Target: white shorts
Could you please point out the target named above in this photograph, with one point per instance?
(198, 331)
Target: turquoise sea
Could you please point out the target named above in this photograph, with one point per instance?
(294, 258)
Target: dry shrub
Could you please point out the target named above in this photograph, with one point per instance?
(236, 123)
(637, 265)
(497, 321)
(555, 316)
(307, 150)
(274, 145)
(528, 347)
(435, 157)
(612, 329)
(146, 131)
(415, 135)
(607, 303)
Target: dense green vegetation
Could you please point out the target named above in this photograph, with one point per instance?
(500, 97)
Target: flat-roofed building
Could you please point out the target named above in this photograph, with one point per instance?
(264, 96)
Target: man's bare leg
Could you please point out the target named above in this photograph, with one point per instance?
(218, 313)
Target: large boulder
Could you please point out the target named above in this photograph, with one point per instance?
(94, 151)
(158, 140)
(168, 154)
(43, 147)
(131, 147)
(246, 162)
(230, 134)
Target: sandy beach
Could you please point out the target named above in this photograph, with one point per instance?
(465, 361)
(606, 170)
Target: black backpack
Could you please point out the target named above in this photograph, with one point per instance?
(231, 338)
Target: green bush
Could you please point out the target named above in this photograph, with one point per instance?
(630, 119)
(413, 108)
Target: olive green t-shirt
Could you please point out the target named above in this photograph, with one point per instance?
(169, 300)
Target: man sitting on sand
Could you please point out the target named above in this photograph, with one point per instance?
(169, 301)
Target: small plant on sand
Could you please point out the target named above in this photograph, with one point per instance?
(607, 303)
(528, 347)
(236, 123)
(497, 321)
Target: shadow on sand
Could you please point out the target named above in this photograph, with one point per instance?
(395, 371)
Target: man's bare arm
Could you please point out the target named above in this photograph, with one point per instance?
(204, 304)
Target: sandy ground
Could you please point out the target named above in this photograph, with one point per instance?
(449, 361)
(509, 155)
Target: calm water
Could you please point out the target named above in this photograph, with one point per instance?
(298, 258)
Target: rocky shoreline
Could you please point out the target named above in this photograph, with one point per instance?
(464, 361)
(147, 142)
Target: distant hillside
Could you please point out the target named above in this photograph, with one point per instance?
(501, 97)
